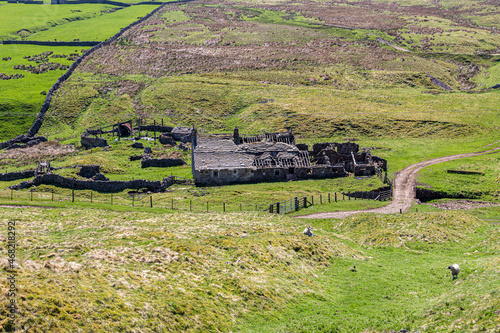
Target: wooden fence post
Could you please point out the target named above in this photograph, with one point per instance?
(296, 203)
(31, 194)
(278, 208)
(207, 201)
(111, 198)
(72, 195)
(172, 203)
(133, 199)
(151, 201)
(320, 199)
(12, 194)
(312, 200)
(190, 205)
(91, 194)
(224, 207)
(335, 196)
(328, 197)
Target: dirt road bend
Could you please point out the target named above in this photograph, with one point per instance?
(403, 189)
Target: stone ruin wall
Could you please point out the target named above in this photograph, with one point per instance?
(248, 175)
(96, 185)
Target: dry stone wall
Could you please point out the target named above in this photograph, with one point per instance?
(49, 43)
(95, 185)
(161, 163)
(10, 176)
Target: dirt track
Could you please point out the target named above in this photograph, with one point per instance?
(403, 190)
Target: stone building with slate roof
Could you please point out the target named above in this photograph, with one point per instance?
(230, 158)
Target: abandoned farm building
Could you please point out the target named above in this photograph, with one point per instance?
(230, 158)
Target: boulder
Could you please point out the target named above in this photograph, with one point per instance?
(89, 142)
(148, 150)
(137, 145)
(166, 139)
(182, 134)
(161, 163)
(89, 171)
(100, 176)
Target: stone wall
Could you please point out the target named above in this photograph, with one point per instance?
(246, 175)
(368, 195)
(10, 176)
(161, 163)
(49, 43)
(100, 186)
(425, 194)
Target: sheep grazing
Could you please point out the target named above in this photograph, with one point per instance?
(307, 231)
(454, 270)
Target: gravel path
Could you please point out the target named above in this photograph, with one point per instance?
(403, 189)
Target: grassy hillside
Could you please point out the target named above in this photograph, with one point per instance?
(21, 98)
(116, 271)
(270, 67)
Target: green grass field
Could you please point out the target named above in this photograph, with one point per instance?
(98, 28)
(21, 99)
(21, 20)
(117, 270)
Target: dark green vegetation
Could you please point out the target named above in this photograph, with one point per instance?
(116, 271)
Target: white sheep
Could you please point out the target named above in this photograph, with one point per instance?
(307, 231)
(454, 270)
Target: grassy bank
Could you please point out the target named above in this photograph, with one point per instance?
(116, 270)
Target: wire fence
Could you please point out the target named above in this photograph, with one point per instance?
(133, 199)
(152, 200)
(296, 203)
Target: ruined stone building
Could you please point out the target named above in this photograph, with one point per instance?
(230, 158)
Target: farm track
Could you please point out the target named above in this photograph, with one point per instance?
(403, 191)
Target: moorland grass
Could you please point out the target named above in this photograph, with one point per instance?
(400, 284)
(233, 100)
(486, 187)
(250, 272)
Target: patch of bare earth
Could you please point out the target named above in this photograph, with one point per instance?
(463, 204)
(43, 151)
